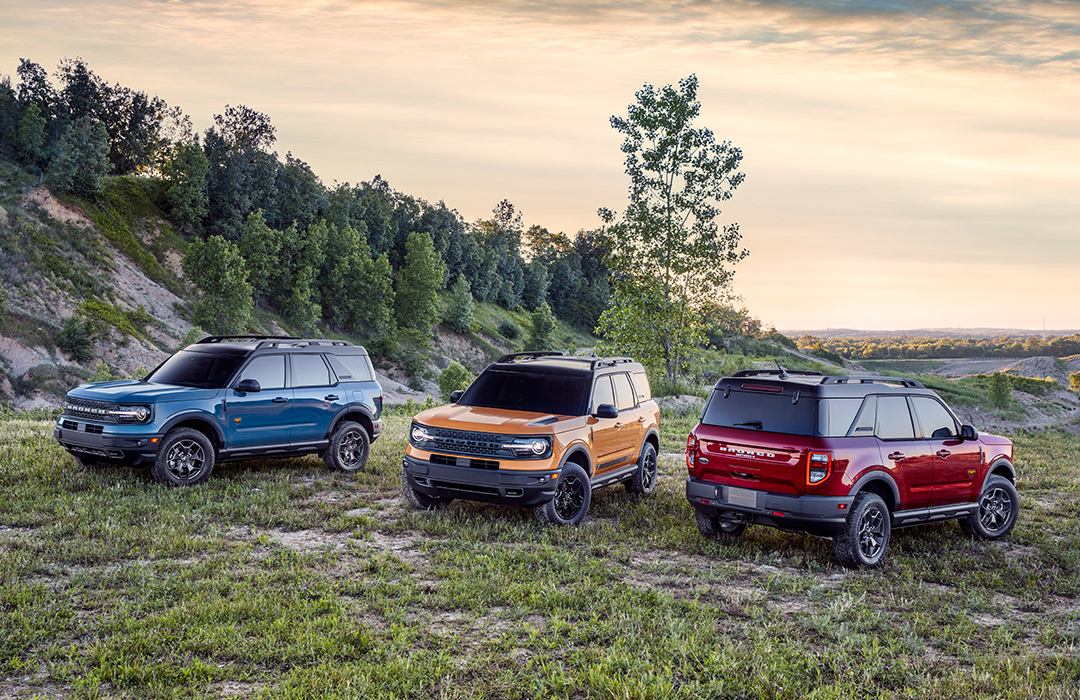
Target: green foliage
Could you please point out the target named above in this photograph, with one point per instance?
(459, 312)
(669, 255)
(418, 285)
(999, 390)
(30, 140)
(453, 378)
(130, 323)
(104, 373)
(185, 175)
(76, 338)
(193, 336)
(1074, 381)
(357, 290)
(542, 330)
(510, 330)
(82, 158)
(218, 269)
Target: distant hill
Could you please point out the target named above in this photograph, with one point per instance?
(928, 333)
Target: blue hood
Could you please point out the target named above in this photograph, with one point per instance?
(134, 391)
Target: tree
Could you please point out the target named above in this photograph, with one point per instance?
(217, 268)
(453, 378)
(999, 390)
(82, 158)
(185, 174)
(669, 257)
(30, 137)
(418, 285)
(459, 312)
(543, 327)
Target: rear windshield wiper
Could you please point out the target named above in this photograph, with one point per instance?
(749, 424)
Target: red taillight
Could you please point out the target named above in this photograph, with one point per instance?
(691, 452)
(818, 467)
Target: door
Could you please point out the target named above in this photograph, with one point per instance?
(259, 417)
(956, 462)
(604, 433)
(909, 458)
(317, 398)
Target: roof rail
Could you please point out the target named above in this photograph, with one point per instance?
(910, 383)
(775, 373)
(223, 338)
(273, 342)
(609, 362)
(515, 356)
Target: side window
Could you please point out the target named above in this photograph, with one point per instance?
(359, 366)
(267, 370)
(624, 393)
(602, 393)
(835, 416)
(641, 386)
(309, 370)
(934, 419)
(866, 420)
(894, 419)
(343, 373)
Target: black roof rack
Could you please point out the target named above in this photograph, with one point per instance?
(609, 362)
(223, 338)
(299, 343)
(532, 354)
(775, 373)
(910, 383)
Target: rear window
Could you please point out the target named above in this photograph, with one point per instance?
(756, 410)
(351, 368)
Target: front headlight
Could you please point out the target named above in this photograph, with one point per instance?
(420, 435)
(529, 447)
(130, 414)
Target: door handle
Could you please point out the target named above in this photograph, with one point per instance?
(943, 453)
(332, 397)
(280, 399)
(896, 456)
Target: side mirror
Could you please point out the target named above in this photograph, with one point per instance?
(249, 386)
(606, 410)
(968, 432)
(456, 395)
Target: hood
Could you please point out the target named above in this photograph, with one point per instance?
(135, 391)
(491, 420)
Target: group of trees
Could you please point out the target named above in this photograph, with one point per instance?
(923, 348)
(74, 134)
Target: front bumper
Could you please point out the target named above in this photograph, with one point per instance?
(502, 486)
(817, 515)
(130, 449)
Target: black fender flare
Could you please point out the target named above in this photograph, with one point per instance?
(575, 449)
(199, 417)
(994, 467)
(876, 475)
(353, 408)
(651, 433)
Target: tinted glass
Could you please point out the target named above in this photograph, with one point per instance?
(641, 385)
(894, 419)
(309, 370)
(835, 416)
(602, 393)
(540, 393)
(624, 393)
(934, 419)
(754, 410)
(867, 420)
(200, 369)
(268, 371)
(357, 365)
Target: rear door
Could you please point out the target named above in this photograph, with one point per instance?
(317, 397)
(956, 461)
(910, 457)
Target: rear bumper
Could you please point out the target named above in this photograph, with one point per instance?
(817, 515)
(129, 449)
(502, 486)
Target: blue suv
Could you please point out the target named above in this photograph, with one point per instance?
(230, 398)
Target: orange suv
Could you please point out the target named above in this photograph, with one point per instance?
(539, 430)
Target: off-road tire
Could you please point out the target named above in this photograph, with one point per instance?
(644, 479)
(349, 448)
(717, 528)
(573, 493)
(865, 536)
(421, 500)
(999, 504)
(185, 458)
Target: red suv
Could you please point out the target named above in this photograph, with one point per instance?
(846, 458)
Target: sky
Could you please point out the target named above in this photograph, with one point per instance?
(908, 164)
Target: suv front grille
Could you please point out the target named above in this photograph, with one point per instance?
(84, 408)
(469, 443)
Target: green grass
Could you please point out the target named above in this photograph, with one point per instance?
(280, 579)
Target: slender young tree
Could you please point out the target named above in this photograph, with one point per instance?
(669, 257)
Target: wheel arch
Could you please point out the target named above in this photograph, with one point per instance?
(1000, 467)
(357, 414)
(579, 455)
(881, 483)
(204, 424)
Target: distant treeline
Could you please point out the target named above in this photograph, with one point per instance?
(921, 348)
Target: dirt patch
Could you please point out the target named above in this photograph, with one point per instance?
(57, 210)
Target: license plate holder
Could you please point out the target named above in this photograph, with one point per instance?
(746, 498)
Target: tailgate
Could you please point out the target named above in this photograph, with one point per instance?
(762, 461)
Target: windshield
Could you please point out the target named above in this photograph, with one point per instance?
(560, 394)
(200, 369)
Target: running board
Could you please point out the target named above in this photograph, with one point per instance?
(905, 518)
(607, 479)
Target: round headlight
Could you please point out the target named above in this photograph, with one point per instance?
(539, 447)
(419, 434)
(141, 413)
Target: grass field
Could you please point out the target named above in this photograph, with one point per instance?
(284, 580)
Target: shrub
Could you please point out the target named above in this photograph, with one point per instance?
(76, 338)
(453, 378)
(1074, 381)
(543, 327)
(509, 329)
(104, 373)
(999, 390)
